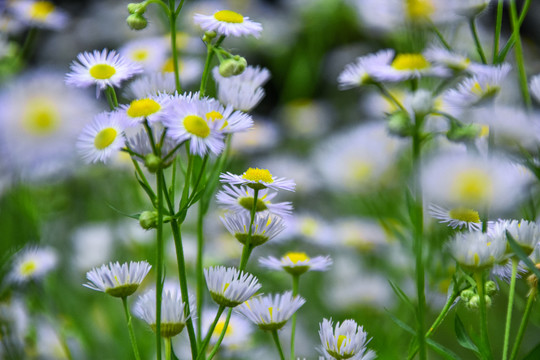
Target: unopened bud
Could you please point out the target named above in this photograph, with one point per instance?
(152, 162)
(148, 220)
(532, 280)
(463, 133)
(233, 66)
(491, 287)
(208, 36)
(467, 294)
(399, 124)
(137, 21)
(136, 8)
(474, 302)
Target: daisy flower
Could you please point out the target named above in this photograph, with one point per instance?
(228, 23)
(118, 280)
(405, 67)
(238, 329)
(149, 85)
(150, 53)
(230, 287)
(347, 341)
(297, 263)
(103, 137)
(451, 60)
(486, 84)
(459, 217)
(271, 313)
(232, 121)
(241, 200)
(173, 318)
(258, 179)
(360, 72)
(32, 263)
(187, 120)
(41, 14)
(525, 233)
(105, 68)
(244, 91)
(264, 228)
(152, 108)
(476, 250)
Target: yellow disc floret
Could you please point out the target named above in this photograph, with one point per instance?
(143, 107)
(197, 126)
(27, 268)
(258, 175)
(219, 329)
(296, 257)
(229, 17)
(41, 117)
(40, 10)
(140, 54)
(472, 186)
(102, 71)
(464, 214)
(419, 9)
(410, 62)
(105, 138)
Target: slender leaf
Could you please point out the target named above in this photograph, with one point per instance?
(133, 216)
(463, 337)
(401, 294)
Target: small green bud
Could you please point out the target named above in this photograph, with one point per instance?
(399, 124)
(467, 294)
(137, 21)
(474, 302)
(208, 36)
(488, 300)
(152, 162)
(491, 287)
(233, 66)
(463, 133)
(136, 8)
(148, 220)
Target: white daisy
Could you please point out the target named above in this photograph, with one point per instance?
(173, 318)
(105, 68)
(271, 313)
(238, 329)
(41, 14)
(149, 85)
(232, 121)
(484, 85)
(360, 72)
(297, 263)
(150, 53)
(152, 108)
(258, 179)
(264, 228)
(476, 250)
(525, 233)
(32, 263)
(228, 23)
(103, 137)
(407, 66)
(118, 280)
(188, 121)
(451, 60)
(347, 341)
(241, 200)
(244, 91)
(459, 217)
(230, 287)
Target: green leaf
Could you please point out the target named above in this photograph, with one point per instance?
(133, 216)
(463, 337)
(521, 255)
(401, 294)
(534, 354)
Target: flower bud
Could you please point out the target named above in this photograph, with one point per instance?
(488, 300)
(208, 36)
(136, 8)
(233, 66)
(148, 220)
(467, 294)
(463, 133)
(491, 287)
(152, 162)
(399, 124)
(136, 21)
(474, 302)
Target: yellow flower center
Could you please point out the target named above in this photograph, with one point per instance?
(229, 17)
(140, 54)
(410, 62)
(361, 170)
(341, 339)
(143, 107)
(309, 226)
(41, 117)
(219, 329)
(28, 268)
(105, 138)
(102, 71)
(214, 115)
(258, 175)
(419, 9)
(196, 125)
(296, 257)
(464, 214)
(40, 10)
(472, 185)
(476, 259)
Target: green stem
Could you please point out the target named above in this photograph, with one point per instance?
(207, 63)
(200, 271)
(221, 336)
(515, 262)
(210, 332)
(246, 252)
(441, 38)
(480, 285)
(524, 321)
(295, 287)
(479, 49)
(113, 99)
(142, 177)
(159, 250)
(278, 344)
(168, 348)
(172, 21)
(389, 96)
(512, 39)
(130, 329)
(498, 25)
(519, 55)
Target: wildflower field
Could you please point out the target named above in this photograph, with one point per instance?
(262, 180)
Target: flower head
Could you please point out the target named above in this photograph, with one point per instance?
(230, 287)
(407, 66)
(244, 91)
(525, 233)
(152, 108)
(258, 179)
(347, 341)
(240, 199)
(271, 313)
(32, 263)
(459, 217)
(264, 227)
(41, 14)
(297, 263)
(360, 72)
(228, 23)
(476, 250)
(151, 85)
(118, 280)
